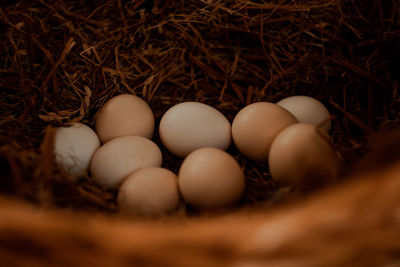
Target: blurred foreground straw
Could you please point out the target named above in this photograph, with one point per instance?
(353, 224)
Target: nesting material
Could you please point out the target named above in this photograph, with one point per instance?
(61, 63)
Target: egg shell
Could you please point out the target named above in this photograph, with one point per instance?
(307, 110)
(149, 191)
(255, 127)
(188, 126)
(118, 158)
(302, 154)
(210, 178)
(124, 115)
(74, 147)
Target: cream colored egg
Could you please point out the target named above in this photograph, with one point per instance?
(307, 110)
(121, 156)
(302, 154)
(124, 115)
(191, 125)
(255, 127)
(74, 147)
(149, 191)
(210, 178)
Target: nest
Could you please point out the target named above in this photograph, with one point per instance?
(61, 60)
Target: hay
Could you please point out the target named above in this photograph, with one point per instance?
(352, 225)
(62, 60)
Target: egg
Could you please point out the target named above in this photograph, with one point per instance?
(188, 126)
(255, 127)
(124, 115)
(121, 156)
(307, 110)
(74, 147)
(210, 178)
(302, 154)
(149, 191)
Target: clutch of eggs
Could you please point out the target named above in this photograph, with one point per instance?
(208, 177)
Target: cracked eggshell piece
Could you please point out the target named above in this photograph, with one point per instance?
(149, 191)
(118, 158)
(307, 110)
(210, 178)
(188, 126)
(255, 127)
(302, 154)
(74, 147)
(124, 115)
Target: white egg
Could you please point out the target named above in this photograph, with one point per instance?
(121, 156)
(74, 147)
(149, 191)
(191, 125)
(307, 110)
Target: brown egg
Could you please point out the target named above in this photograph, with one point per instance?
(124, 115)
(210, 178)
(149, 191)
(255, 127)
(300, 154)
